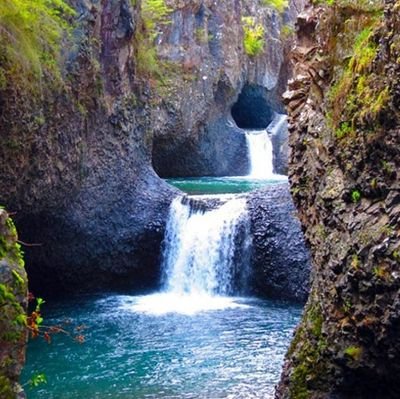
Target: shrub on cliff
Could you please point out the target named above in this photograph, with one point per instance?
(279, 5)
(253, 40)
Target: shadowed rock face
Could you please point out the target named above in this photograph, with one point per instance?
(280, 262)
(253, 109)
(108, 248)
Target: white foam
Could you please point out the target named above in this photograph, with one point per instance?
(200, 247)
(164, 303)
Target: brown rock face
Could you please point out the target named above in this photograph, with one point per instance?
(344, 172)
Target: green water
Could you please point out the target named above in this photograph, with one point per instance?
(136, 347)
(222, 185)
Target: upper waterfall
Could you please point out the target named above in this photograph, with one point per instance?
(260, 149)
(260, 154)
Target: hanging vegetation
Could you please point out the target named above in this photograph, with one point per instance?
(31, 32)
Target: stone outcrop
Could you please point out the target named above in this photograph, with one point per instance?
(280, 261)
(344, 172)
(13, 305)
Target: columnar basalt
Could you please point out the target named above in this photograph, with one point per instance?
(344, 138)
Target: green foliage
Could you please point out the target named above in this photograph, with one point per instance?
(354, 352)
(359, 95)
(355, 196)
(343, 130)
(279, 5)
(381, 272)
(37, 379)
(253, 39)
(287, 31)
(154, 13)
(13, 288)
(308, 347)
(6, 390)
(365, 49)
(360, 5)
(355, 262)
(30, 40)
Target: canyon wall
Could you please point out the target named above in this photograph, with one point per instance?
(344, 171)
(77, 156)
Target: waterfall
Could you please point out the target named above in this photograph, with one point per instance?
(278, 125)
(260, 150)
(202, 248)
(260, 154)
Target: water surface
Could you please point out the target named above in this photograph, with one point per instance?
(223, 185)
(149, 347)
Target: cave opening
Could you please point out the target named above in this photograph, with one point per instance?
(254, 108)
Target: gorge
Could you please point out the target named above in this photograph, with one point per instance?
(124, 162)
(183, 341)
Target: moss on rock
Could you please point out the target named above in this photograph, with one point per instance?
(13, 302)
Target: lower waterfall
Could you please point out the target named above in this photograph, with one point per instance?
(206, 256)
(203, 247)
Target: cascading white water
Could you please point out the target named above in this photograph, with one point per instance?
(278, 125)
(260, 154)
(260, 148)
(200, 247)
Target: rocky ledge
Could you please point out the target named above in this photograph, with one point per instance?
(280, 262)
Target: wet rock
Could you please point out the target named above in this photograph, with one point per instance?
(280, 260)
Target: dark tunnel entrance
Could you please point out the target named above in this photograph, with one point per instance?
(253, 109)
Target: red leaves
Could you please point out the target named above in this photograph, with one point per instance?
(47, 337)
(80, 339)
(37, 329)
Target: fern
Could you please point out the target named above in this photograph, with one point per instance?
(253, 40)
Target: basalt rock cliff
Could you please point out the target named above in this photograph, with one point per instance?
(344, 171)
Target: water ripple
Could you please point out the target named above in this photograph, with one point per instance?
(234, 350)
